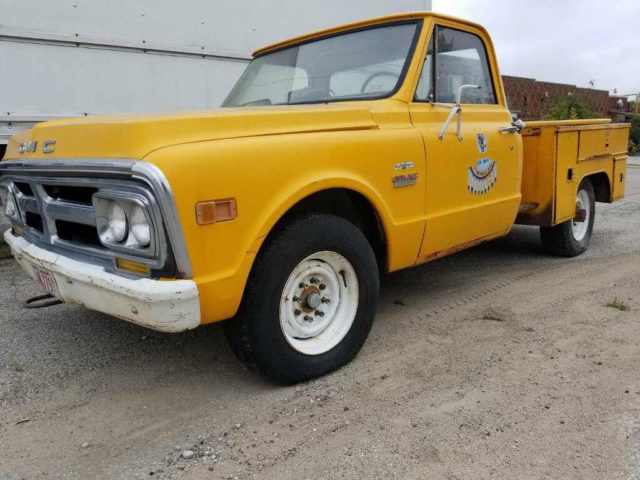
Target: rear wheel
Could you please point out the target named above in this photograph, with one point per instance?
(572, 238)
(310, 301)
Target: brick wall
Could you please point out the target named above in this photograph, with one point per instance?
(532, 99)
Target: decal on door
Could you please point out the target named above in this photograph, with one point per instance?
(482, 176)
(483, 144)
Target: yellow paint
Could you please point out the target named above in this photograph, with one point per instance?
(538, 176)
(270, 158)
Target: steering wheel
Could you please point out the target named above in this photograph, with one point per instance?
(376, 75)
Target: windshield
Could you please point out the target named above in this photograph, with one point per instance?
(351, 66)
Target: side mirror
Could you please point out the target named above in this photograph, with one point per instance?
(456, 110)
(519, 124)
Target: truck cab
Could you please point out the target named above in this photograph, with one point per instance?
(337, 157)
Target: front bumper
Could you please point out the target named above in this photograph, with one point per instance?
(167, 306)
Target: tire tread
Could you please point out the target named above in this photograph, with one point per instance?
(243, 331)
(559, 241)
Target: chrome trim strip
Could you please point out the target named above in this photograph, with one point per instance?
(69, 165)
(122, 46)
(116, 168)
(160, 185)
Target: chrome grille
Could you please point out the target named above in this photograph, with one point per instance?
(45, 214)
(56, 214)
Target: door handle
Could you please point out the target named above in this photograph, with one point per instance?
(515, 127)
(506, 130)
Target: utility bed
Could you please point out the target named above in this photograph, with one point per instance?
(558, 155)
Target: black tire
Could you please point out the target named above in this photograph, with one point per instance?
(256, 335)
(560, 239)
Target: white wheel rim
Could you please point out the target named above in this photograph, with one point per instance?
(319, 303)
(580, 228)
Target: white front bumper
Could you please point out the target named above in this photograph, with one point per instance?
(167, 306)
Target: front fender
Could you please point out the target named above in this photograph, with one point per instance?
(269, 175)
(321, 181)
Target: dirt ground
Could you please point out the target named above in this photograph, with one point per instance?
(499, 362)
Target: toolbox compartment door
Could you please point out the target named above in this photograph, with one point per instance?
(594, 143)
(566, 187)
(619, 177)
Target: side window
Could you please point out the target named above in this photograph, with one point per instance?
(425, 92)
(460, 59)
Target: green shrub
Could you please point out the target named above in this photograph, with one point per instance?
(634, 140)
(569, 108)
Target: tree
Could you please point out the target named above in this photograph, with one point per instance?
(569, 108)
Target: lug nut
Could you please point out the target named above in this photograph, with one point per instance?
(325, 300)
(322, 286)
(302, 285)
(297, 312)
(307, 318)
(313, 280)
(319, 313)
(296, 299)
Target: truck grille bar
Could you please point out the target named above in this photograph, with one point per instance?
(55, 217)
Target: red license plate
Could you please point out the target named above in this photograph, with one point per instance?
(48, 282)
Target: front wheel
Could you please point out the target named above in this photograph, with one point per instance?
(310, 301)
(572, 238)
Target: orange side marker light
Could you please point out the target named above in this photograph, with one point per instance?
(216, 211)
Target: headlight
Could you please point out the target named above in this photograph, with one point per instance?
(124, 222)
(114, 229)
(140, 227)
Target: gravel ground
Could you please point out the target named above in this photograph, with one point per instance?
(499, 362)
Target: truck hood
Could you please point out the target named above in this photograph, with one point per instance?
(134, 137)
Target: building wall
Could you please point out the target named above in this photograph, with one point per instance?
(533, 100)
(72, 57)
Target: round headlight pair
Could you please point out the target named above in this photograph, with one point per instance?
(121, 225)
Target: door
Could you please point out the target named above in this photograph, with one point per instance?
(472, 179)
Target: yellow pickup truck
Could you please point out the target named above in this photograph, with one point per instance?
(337, 156)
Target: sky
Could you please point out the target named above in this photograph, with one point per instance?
(564, 41)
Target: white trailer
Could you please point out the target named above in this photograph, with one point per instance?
(80, 57)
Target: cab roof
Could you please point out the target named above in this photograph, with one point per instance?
(399, 17)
